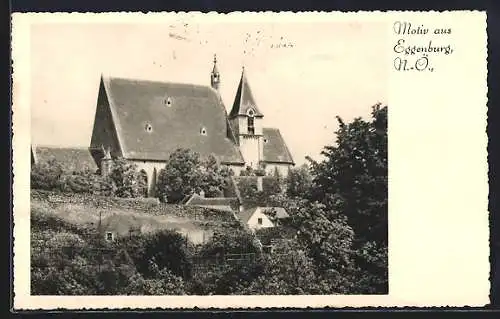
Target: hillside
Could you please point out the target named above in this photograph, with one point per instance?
(120, 216)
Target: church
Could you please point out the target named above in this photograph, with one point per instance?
(145, 121)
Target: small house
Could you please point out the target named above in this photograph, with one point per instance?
(255, 218)
(262, 217)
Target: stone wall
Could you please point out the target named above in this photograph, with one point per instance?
(147, 205)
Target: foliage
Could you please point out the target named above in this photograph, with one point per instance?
(299, 182)
(166, 250)
(288, 271)
(46, 175)
(214, 176)
(126, 179)
(352, 180)
(186, 173)
(271, 185)
(238, 241)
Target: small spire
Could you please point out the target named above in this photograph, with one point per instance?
(215, 76)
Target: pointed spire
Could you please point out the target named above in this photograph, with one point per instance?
(215, 65)
(244, 100)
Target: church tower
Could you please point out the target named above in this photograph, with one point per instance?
(215, 76)
(246, 120)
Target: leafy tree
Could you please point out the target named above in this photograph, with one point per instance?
(288, 271)
(166, 249)
(161, 282)
(181, 176)
(299, 182)
(125, 178)
(352, 180)
(271, 185)
(234, 241)
(46, 175)
(213, 177)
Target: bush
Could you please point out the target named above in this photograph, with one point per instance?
(46, 175)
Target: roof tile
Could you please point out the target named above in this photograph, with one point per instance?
(155, 118)
(275, 149)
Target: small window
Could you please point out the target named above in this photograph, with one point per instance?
(109, 236)
(148, 128)
(167, 102)
(203, 131)
(265, 140)
(251, 112)
(259, 221)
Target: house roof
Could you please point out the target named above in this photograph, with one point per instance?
(153, 119)
(71, 158)
(244, 99)
(216, 203)
(246, 214)
(279, 212)
(275, 148)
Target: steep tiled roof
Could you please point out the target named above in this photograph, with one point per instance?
(71, 158)
(155, 118)
(244, 99)
(275, 149)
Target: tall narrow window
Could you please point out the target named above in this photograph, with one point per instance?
(251, 127)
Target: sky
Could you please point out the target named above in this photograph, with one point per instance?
(302, 75)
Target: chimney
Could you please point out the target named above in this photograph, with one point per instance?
(259, 183)
(202, 193)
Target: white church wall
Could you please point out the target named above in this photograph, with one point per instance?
(249, 146)
(149, 168)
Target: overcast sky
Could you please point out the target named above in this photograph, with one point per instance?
(326, 69)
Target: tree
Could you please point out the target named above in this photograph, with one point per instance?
(299, 182)
(181, 176)
(46, 175)
(352, 180)
(213, 177)
(287, 271)
(125, 178)
(353, 177)
(167, 250)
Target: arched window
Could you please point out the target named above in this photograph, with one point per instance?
(251, 127)
(148, 128)
(143, 183)
(203, 131)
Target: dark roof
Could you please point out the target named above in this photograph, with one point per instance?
(275, 149)
(244, 99)
(71, 158)
(279, 212)
(246, 214)
(153, 119)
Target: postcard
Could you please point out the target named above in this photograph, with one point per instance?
(250, 160)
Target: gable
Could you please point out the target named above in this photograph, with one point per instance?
(104, 133)
(153, 119)
(254, 218)
(275, 149)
